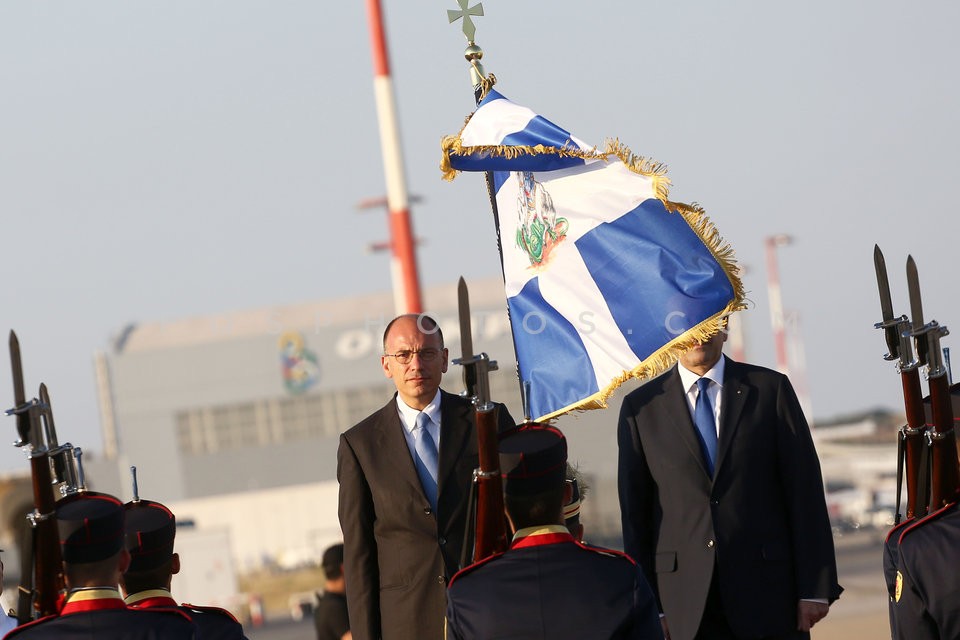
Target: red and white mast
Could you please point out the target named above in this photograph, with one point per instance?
(406, 281)
(776, 303)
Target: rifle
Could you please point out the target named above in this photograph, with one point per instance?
(490, 534)
(941, 438)
(51, 466)
(910, 439)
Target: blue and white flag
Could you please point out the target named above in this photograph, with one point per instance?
(605, 278)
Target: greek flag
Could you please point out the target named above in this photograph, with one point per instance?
(605, 278)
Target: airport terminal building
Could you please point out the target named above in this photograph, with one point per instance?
(256, 400)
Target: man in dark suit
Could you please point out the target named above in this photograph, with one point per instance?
(405, 475)
(731, 529)
(547, 585)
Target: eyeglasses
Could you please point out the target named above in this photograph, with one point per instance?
(405, 356)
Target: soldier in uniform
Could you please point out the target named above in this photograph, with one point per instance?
(928, 585)
(150, 531)
(91, 543)
(547, 585)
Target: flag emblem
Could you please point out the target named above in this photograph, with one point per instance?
(538, 228)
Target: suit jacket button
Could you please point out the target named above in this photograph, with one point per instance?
(442, 541)
(715, 502)
(710, 544)
(427, 510)
(441, 579)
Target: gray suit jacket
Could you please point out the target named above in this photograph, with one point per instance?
(761, 520)
(398, 553)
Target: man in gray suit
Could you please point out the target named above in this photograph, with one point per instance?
(405, 475)
(722, 500)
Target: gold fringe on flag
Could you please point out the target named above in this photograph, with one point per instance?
(694, 215)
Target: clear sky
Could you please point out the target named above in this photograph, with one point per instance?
(160, 160)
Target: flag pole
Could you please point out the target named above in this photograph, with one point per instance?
(482, 83)
(406, 280)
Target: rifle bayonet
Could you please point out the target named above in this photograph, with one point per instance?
(918, 330)
(476, 367)
(19, 395)
(889, 324)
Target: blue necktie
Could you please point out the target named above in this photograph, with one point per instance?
(706, 425)
(426, 459)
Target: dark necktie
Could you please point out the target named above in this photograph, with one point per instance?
(426, 458)
(706, 425)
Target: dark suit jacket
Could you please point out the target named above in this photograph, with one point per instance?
(761, 520)
(398, 554)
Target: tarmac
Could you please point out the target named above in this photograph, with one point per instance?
(861, 611)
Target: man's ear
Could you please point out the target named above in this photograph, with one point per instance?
(175, 564)
(124, 561)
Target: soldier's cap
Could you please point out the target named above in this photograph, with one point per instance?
(332, 558)
(90, 526)
(533, 459)
(150, 530)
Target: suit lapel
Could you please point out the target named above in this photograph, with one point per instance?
(390, 437)
(455, 432)
(735, 393)
(678, 413)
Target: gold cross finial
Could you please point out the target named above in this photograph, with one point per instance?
(469, 29)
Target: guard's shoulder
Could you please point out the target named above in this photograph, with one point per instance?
(609, 553)
(473, 567)
(936, 516)
(28, 625)
(896, 530)
(217, 611)
(168, 613)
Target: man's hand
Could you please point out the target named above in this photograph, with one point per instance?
(810, 613)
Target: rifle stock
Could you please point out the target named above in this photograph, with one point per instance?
(914, 443)
(48, 571)
(491, 532)
(945, 471)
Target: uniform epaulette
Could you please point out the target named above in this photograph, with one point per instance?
(897, 529)
(180, 612)
(613, 553)
(473, 566)
(928, 518)
(27, 625)
(215, 610)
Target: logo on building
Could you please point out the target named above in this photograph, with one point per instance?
(298, 364)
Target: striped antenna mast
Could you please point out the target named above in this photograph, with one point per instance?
(406, 280)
